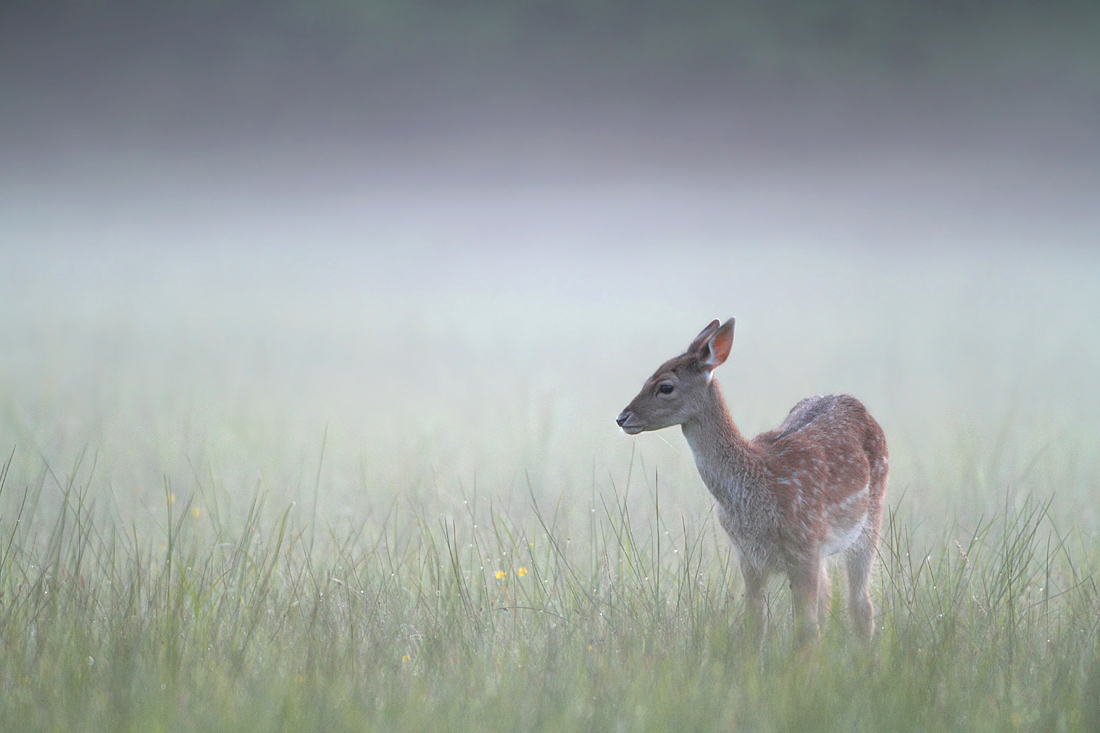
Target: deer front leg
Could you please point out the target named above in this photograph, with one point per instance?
(755, 620)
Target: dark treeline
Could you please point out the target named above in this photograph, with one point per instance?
(136, 64)
(790, 38)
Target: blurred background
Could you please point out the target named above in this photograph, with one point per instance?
(375, 249)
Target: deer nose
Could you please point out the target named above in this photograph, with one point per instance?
(621, 419)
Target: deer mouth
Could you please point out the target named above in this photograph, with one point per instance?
(627, 421)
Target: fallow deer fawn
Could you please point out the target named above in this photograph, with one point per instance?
(788, 498)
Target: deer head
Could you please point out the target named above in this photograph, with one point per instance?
(677, 391)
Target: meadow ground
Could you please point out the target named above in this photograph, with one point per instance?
(259, 496)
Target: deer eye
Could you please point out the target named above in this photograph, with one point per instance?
(665, 388)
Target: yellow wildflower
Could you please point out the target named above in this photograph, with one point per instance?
(521, 572)
(501, 574)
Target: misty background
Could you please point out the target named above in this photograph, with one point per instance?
(444, 245)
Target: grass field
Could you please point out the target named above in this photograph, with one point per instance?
(253, 494)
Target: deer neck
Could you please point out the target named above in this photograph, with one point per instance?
(725, 461)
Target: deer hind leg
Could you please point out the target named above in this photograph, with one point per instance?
(805, 587)
(824, 593)
(859, 558)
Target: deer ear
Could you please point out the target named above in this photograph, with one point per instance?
(702, 337)
(716, 349)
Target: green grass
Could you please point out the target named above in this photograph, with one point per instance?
(287, 511)
(256, 617)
